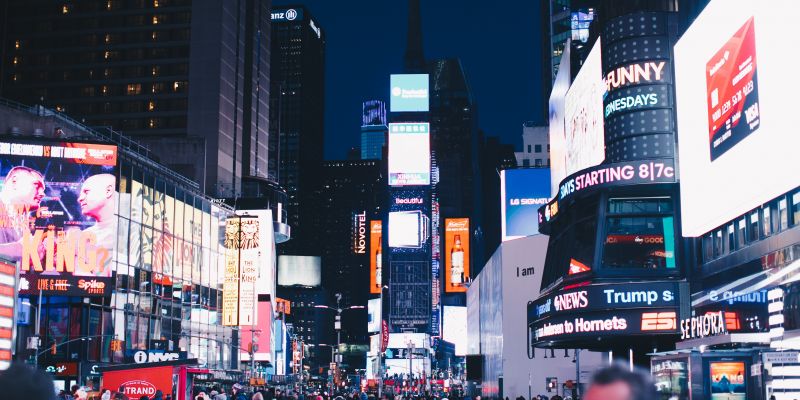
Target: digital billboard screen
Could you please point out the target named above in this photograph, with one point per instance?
(375, 256)
(409, 154)
(374, 315)
(456, 253)
(736, 126)
(558, 144)
(455, 328)
(583, 116)
(58, 205)
(406, 229)
(299, 270)
(728, 380)
(408, 93)
(522, 192)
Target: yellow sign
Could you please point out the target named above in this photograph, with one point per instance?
(230, 287)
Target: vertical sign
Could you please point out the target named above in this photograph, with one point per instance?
(456, 253)
(249, 254)
(8, 283)
(375, 256)
(436, 286)
(230, 287)
(360, 233)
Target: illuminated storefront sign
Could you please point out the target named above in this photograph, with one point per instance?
(456, 253)
(709, 324)
(360, 233)
(606, 297)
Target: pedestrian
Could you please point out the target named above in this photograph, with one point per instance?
(237, 392)
(618, 382)
(20, 381)
(159, 395)
(257, 396)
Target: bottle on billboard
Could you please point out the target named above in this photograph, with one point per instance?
(378, 264)
(457, 262)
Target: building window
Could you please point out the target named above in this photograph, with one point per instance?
(741, 233)
(783, 214)
(718, 244)
(538, 162)
(731, 238)
(537, 148)
(796, 208)
(16, 44)
(65, 9)
(645, 240)
(526, 163)
(753, 228)
(155, 19)
(708, 247)
(134, 89)
(529, 148)
(151, 105)
(766, 223)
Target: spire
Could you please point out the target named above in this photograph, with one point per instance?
(414, 58)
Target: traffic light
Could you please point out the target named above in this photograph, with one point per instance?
(53, 349)
(116, 345)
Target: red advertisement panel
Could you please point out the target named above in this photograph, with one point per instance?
(732, 91)
(375, 257)
(139, 382)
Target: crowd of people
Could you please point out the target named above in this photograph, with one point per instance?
(21, 382)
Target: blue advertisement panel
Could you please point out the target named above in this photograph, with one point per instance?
(408, 93)
(522, 192)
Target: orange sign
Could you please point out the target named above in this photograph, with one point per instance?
(456, 253)
(283, 306)
(376, 273)
(659, 321)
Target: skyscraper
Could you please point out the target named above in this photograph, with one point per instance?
(129, 65)
(373, 129)
(297, 114)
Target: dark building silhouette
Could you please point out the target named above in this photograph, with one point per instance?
(297, 115)
(130, 65)
(495, 157)
(350, 194)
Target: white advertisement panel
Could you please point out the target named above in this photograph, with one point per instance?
(374, 315)
(558, 140)
(455, 327)
(409, 154)
(299, 270)
(405, 229)
(583, 117)
(735, 87)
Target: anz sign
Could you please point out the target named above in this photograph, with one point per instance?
(291, 14)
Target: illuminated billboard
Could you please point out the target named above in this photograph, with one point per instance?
(8, 306)
(408, 93)
(409, 154)
(455, 328)
(522, 192)
(299, 270)
(359, 233)
(57, 217)
(375, 256)
(583, 116)
(374, 315)
(736, 126)
(242, 245)
(558, 140)
(408, 229)
(456, 254)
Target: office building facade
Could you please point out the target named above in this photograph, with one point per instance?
(129, 66)
(373, 129)
(535, 146)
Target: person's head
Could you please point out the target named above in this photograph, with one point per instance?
(23, 188)
(258, 396)
(617, 382)
(159, 394)
(97, 196)
(144, 398)
(20, 381)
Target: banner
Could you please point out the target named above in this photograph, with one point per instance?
(375, 257)
(456, 253)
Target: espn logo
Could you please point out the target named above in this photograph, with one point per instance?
(659, 321)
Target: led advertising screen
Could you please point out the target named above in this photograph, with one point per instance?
(8, 306)
(409, 154)
(375, 256)
(735, 125)
(57, 215)
(374, 315)
(243, 238)
(522, 192)
(728, 380)
(455, 328)
(456, 254)
(583, 116)
(406, 229)
(299, 270)
(408, 93)
(558, 140)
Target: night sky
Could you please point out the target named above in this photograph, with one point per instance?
(498, 44)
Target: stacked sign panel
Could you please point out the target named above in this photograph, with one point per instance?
(8, 304)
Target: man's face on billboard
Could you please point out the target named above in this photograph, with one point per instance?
(96, 191)
(26, 188)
